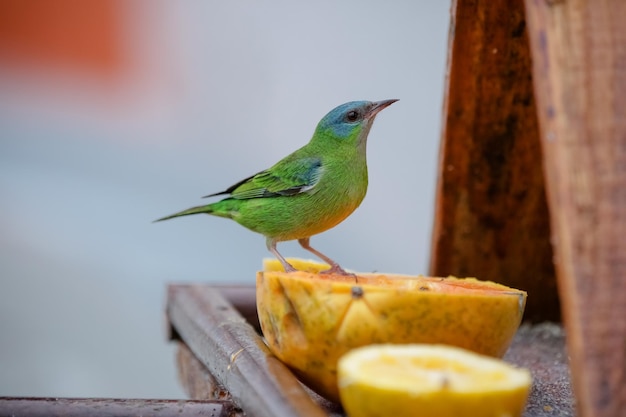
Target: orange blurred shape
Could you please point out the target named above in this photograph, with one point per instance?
(84, 35)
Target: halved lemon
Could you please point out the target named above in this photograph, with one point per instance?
(310, 320)
(429, 380)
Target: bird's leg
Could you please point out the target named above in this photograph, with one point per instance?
(271, 246)
(334, 266)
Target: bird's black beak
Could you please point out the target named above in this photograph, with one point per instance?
(377, 106)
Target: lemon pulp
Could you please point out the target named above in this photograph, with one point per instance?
(429, 380)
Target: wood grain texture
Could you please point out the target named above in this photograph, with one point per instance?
(199, 384)
(491, 217)
(196, 379)
(579, 64)
(113, 407)
(235, 355)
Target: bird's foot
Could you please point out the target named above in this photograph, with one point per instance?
(336, 269)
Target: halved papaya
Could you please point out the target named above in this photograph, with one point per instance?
(310, 320)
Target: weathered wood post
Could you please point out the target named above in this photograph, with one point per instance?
(491, 217)
(579, 70)
(504, 149)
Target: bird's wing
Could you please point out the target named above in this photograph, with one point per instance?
(290, 177)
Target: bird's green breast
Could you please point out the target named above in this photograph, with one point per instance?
(340, 191)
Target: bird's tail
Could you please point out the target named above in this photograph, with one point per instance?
(208, 209)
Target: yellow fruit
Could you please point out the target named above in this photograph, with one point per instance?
(310, 320)
(429, 380)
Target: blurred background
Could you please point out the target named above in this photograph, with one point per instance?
(114, 113)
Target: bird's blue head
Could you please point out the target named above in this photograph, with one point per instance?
(351, 121)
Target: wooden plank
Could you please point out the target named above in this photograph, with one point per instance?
(235, 354)
(196, 379)
(579, 70)
(111, 407)
(199, 384)
(243, 299)
(491, 218)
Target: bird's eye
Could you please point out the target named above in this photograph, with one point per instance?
(352, 116)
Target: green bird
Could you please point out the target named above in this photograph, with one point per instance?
(308, 192)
